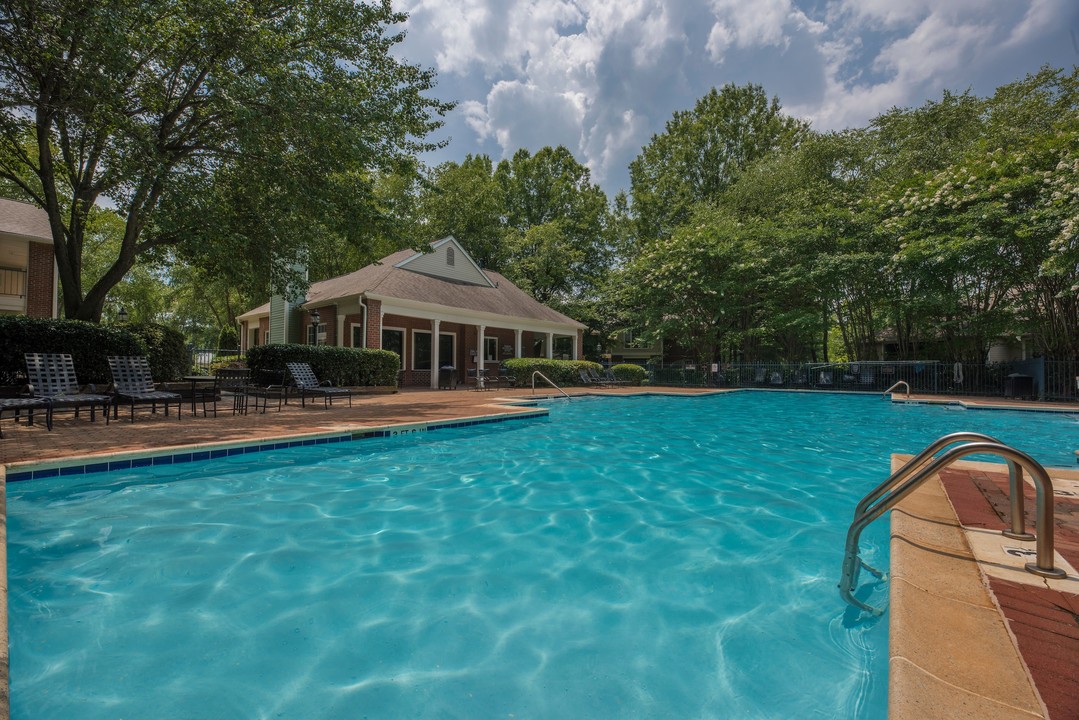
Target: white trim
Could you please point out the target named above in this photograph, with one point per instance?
(430, 311)
(416, 332)
(487, 339)
(352, 335)
(435, 246)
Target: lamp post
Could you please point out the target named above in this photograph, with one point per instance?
(122, 316)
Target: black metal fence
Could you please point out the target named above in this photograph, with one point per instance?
(1033, 379)
(204, 360)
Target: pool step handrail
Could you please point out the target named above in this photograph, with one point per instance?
(549, 382)
(896, 385)
(885, 496)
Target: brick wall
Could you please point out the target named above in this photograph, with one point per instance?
(39, 281)
(374, 323)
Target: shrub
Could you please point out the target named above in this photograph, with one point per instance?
(228, 339)
(338, 365)
(88, 344)
(635, 374)
(561, 372)
(165, 350)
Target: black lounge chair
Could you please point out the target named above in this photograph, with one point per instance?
(305, 382)
(52, 377)
(233, 383)
(17, 405)
(133, 384)
(477, 378)
(607, 377)
(587, 379)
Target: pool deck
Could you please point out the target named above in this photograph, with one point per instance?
(971, 636)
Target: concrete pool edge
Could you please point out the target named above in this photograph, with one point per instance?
(952, 651)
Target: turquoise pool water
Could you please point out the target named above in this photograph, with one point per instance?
(625, 558)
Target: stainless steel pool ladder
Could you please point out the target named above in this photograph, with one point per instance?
(923, 466)
(549, 382)
(904, 383)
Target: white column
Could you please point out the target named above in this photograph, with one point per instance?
(481, 329)
(517, 343)
(434, 353)
(340, 326)
(550, 345)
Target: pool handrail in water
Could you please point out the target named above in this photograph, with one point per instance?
(1043, 566)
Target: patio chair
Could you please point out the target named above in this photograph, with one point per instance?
(606, 379)
(233, 383)
(133, 384)
(17, 405)
(52, 376)
(478, 379)
(588, 380)
(305, 382)
(825, 379)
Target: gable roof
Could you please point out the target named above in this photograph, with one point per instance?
(393, 277)
(25, 220)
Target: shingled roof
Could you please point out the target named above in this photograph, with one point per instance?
(24, 220)
(384, 279)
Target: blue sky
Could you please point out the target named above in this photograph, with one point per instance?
(602, 76)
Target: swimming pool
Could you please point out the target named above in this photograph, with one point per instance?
(628, 557)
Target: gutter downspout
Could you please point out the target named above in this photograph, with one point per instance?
(363, 304)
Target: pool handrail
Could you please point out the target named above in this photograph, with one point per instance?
(1043, 566)
(897, 384)
(549, 382)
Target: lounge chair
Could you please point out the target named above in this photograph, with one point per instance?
(52, 376)
(17, 405)
(775, 378)
(590, 381)
(759, 377)
(609, 377)
(477, 378)
(605, 379)
(132, 383)
(825, 379)
(233, 382)
(305, 382)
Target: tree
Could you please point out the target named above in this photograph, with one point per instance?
(276, 117)
(551, 207)
(464, 200)
(702, 151)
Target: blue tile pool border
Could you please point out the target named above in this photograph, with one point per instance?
(188, 454)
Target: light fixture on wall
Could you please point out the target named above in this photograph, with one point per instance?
(315, 317)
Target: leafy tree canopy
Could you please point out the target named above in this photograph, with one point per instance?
(239, 128)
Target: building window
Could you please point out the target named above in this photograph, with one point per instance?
(357, 335)
(490, 349)
(421, 349)
(446, 355)
(316, 334)
(449, 256)
(539, 347)
(394, 340)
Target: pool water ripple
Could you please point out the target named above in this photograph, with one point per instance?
(630, 558)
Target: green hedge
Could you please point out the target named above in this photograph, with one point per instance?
(165, 349)
(87, 343)
(634, 374)
(339, 366)
(561, 372)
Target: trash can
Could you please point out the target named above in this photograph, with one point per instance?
(1018, 385)
(447, 377)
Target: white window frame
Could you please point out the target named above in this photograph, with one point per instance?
(413, 363)
(453, 339)
(404, 344)
(319, 329)
(352, 334)
(490, 341)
